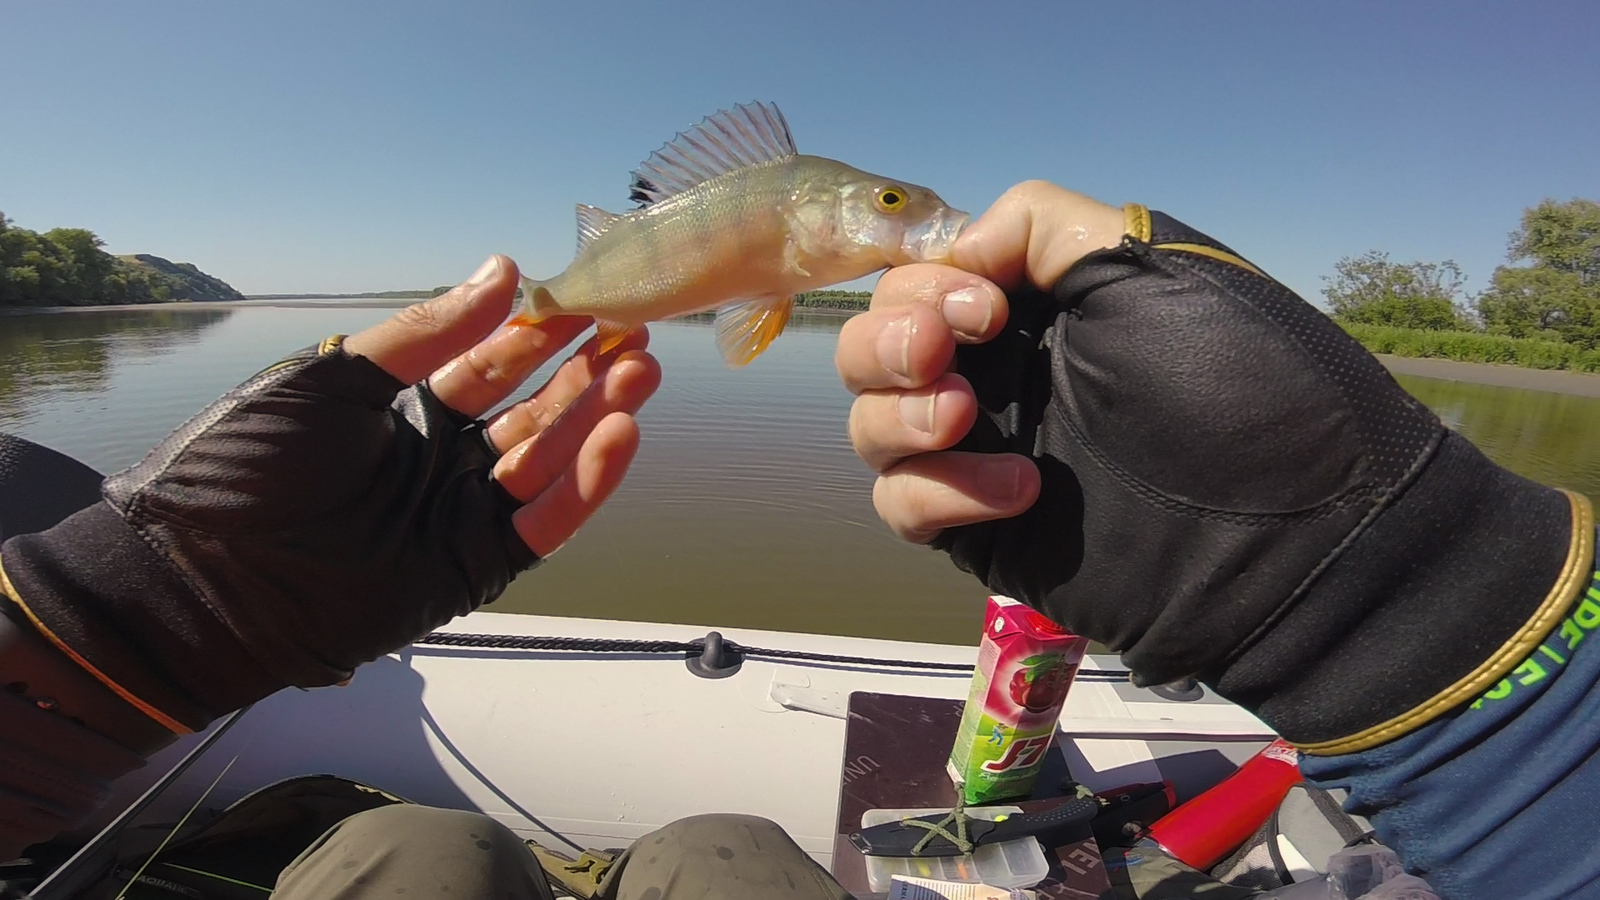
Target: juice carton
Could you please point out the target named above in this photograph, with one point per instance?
(1026, 663)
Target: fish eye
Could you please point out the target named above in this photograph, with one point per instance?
(890, 199)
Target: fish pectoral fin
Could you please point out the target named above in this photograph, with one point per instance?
(610, 334)
(747, 327)
(791, 259)
(731, 139)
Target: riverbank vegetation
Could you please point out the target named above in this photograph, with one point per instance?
(370, 295)
(1541, 309)
(66, 267)
(1477, 347)
(855, 301)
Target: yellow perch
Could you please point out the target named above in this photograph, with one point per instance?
(732, 218)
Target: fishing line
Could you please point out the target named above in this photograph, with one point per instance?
(175, 829)
(68, 879)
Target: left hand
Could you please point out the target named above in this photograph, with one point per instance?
(337, 506)
(561, 467)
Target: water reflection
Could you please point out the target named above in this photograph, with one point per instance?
(1551, 438)
(745, 506)
(75, 351)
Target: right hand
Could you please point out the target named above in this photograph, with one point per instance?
(1134, 430)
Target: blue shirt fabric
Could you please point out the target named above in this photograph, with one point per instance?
(1500, 799)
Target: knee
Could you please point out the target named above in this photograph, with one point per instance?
(407, 825)
(719, 822)
(720, 831)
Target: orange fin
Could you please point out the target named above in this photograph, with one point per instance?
(610, 334)
(537, 304)
(747, 327)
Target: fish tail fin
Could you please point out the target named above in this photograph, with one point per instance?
(538, 303)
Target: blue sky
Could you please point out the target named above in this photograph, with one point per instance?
(338, 146)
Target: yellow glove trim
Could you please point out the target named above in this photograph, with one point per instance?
(1214, 253)
(1136, 222)
(166, 721)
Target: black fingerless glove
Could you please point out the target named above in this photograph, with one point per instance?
(1234, 489)
(316, 517)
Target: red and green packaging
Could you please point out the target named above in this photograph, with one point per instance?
(1026, 664)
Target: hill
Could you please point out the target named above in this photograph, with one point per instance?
(67, 267)
(184, 281)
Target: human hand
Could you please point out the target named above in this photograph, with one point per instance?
(337, 505)
(1123, 423)
(912, 405)
(559, 465)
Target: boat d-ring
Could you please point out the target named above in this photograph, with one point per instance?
(716, 659)
(1183, 690)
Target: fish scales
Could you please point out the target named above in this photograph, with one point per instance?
(690, 253)
(739, 226)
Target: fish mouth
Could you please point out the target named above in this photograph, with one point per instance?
(930, 242)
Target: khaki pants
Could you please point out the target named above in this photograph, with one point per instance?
(420, 853)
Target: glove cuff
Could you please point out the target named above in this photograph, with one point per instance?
(103, 597)
(1429, 606)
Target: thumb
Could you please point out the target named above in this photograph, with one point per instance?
(422, 337)
(1034, 233)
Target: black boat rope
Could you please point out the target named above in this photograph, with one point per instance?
(697, 648)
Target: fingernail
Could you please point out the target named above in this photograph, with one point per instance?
(1000, 479)
(916, 410)
(894, 346)
(968, 311)
(487, 271)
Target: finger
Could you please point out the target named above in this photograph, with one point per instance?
(556, 514)
(517, 423)
(425, 336)
(887, 426)
(919, 313)
(535, 463)
(927, 494)
(472, 383)
(973, 306)
(1034, 233)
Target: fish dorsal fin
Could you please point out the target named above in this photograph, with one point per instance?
(592, 222)
(731, 139)
(747, 327)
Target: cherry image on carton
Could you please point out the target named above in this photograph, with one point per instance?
(1026, 664)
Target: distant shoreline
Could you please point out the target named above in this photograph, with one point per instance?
(309, 302)
(208, 305)
(1551, 381)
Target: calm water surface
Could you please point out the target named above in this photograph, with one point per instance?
(745, 506)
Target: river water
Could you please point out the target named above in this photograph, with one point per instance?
(745, 506)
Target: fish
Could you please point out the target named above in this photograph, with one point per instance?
(731, 217)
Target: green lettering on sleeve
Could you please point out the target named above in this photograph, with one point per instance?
(1571, 631)
(1530, 672)
(1587, 615)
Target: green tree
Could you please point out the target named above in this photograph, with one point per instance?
(1557, 294)
(1371, 290)
(69, 267)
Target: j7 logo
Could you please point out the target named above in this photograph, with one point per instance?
(1019, 754)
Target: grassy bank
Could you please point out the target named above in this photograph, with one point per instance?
(1467, 346)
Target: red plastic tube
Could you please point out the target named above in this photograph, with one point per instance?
(1209, 827)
